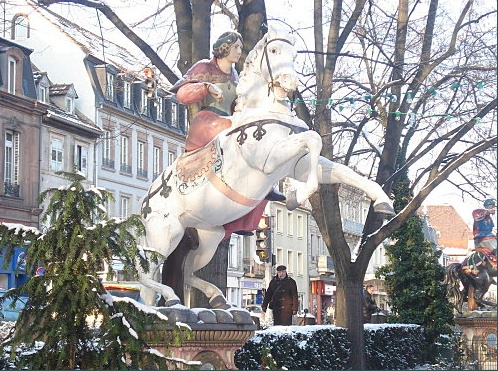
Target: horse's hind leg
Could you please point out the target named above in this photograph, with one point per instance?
(331, 173)
(199, 258)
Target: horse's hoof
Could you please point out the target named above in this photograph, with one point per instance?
(291, 202)
(384, 208)
(219, 302)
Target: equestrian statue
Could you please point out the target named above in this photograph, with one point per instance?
(209, 187)
(470, 280)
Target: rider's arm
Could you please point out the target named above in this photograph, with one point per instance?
(192, 92)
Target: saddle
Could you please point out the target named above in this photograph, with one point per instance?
(194, 165)
(477, 258)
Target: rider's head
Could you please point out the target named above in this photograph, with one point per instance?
(490, 204)
(221, 48)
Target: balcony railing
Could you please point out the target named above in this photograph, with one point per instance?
(141, 173)
(107, 162)
(11, 189)
(126, 168)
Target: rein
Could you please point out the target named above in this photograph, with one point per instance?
(265, 54)
(260, 131)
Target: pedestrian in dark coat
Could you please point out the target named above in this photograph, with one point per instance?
(369, 305)
(281, 297)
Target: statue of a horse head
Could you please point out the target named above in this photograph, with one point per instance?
(269, 74)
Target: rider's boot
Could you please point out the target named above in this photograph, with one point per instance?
(275, 195)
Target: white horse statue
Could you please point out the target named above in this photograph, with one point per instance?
(226, 179)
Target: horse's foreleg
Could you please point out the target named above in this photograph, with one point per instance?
(307, 146)
(199, 258)
(332, 173)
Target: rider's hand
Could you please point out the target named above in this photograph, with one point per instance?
(215, 91)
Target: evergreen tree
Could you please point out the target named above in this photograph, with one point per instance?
(56, 320)
(414, 277)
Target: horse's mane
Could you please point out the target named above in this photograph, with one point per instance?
(252, 65)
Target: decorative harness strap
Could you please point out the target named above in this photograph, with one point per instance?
(478, 258)
(165, 190)
(260, 131)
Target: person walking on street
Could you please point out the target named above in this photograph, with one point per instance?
(281, 297)
(369, 305)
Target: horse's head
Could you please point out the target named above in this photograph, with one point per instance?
(269, 70)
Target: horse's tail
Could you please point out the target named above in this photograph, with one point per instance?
(452, 282)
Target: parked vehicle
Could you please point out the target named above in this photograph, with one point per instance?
(123, 290)
(9, 312)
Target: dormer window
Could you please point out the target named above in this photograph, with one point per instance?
(11, 75)
(69, 105)
(126, 94)
(42, 88)
(145, 103)
(109, 92)
(63, 96)
(20, 27)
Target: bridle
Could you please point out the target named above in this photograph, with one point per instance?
(265, 54)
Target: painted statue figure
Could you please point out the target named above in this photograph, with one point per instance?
(477, 271)
(227, 178)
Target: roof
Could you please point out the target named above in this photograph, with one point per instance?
(95, 45)
(452, 229)
(60, 89)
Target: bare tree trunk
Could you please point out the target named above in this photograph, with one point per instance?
(215, 272)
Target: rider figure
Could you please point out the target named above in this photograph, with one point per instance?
(208, 88)
(484, 234)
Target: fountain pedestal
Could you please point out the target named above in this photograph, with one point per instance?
(216, 335)
(479, 336)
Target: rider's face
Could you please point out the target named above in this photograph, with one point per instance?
(491, 209)
(235, 52)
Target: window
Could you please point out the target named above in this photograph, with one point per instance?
(300, 263)
(145, 103)
(124, 207)
(279, 256)
(81, 159)
(300, 226)
(12, 160)
(56, 156)
(160, 109)
(70, 105)
(106, 151)
(290, 261)
(11, 75)
(43, 94)
(109, 91)
(126, 94)
(156, 154)
(141, 165)
(232, 256)
(171, 157)
(20, 27)
(290, 224)
(279, 227)
(174, 114)
(319, 244)
(125, 166)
